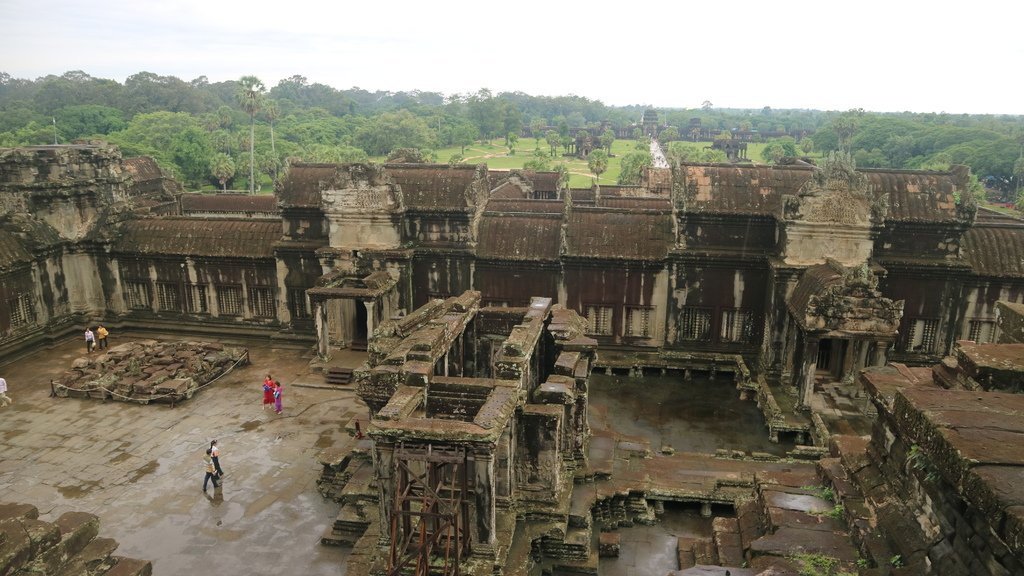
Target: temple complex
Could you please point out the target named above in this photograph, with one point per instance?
(871, 319)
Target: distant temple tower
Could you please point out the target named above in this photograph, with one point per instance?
(649, 123)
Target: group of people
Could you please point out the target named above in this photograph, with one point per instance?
(272, 394)
(97, 339)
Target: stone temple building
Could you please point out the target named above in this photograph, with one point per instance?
(484, 298)
(791, 269)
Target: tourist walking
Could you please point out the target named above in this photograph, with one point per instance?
(277, 397)
(211, 471)
(101, 337)
(90, 339)
(215, 456)
(4, 398)
(268, 392)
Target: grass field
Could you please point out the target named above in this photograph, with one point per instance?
(495, 155)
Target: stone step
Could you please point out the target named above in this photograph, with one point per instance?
(130, 567)
(726, 535)
(684, 553)
(75, 531)
(95, 558)
(704, 551)
(338, 375)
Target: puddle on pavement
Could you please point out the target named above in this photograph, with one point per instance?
(326, 440)
(251, 425)
(72, 492)
(146, 469)
(698, 415)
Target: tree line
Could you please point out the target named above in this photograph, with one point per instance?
(240, 131)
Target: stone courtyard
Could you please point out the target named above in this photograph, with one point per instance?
(140, 469)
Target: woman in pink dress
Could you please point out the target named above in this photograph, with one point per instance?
(277, 396)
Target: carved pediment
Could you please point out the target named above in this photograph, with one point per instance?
(836, 299)
(836, 193)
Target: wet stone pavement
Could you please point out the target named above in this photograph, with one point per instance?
(140, 468)
(697, 415)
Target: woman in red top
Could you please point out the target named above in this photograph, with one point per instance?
(268, 392)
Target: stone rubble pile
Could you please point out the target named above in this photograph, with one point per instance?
(147, 371)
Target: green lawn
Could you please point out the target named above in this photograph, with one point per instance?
(495, 155)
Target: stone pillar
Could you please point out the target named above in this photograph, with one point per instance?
(788, 351)
(371, 318)
(384, 473)
(805, 376)
(878, 357)
(705, 509)
(322, 335)
(484, 489)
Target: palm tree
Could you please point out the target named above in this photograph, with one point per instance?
(250, 98)
(273, 112)
(597, 161)
(223, 168)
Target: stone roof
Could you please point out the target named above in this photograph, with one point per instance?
(618, 234)
(434, 186)
(520, 236)
(142, 168)
(995, 249)
(228, 203)
(725, 188)
(813, 282)
(302, 185)
(636, 203)
(525, 205)
(541, 181)
(12, 251)
(199, 237)
(915, 195)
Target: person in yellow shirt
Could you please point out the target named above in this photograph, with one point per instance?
(101, 337)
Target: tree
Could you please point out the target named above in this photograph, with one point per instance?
(455, 159)
(512, 139)
(540, 162)
(250, 99)
(89, 120)
(273, 112)
(390, 130)
(845, 126)
(553, 140)
(536, 128)
(222, 167)
(638, 134)
(669, 134)
(607, 139)
(705, 105)
(778, 149)
(463, 134)
(191, 152)
(633, 166)
(597, 162)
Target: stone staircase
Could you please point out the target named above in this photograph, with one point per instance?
(882, 527)
(338, 376)
(347, 478)
(787, 528)
(70, 546)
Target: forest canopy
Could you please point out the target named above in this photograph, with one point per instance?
(204, 134)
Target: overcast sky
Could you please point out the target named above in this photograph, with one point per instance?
(892, 55)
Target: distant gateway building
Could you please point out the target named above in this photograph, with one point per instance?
(795, 269)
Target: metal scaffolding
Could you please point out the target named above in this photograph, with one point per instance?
(430, 511)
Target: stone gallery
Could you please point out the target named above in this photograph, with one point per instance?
(871, 316)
